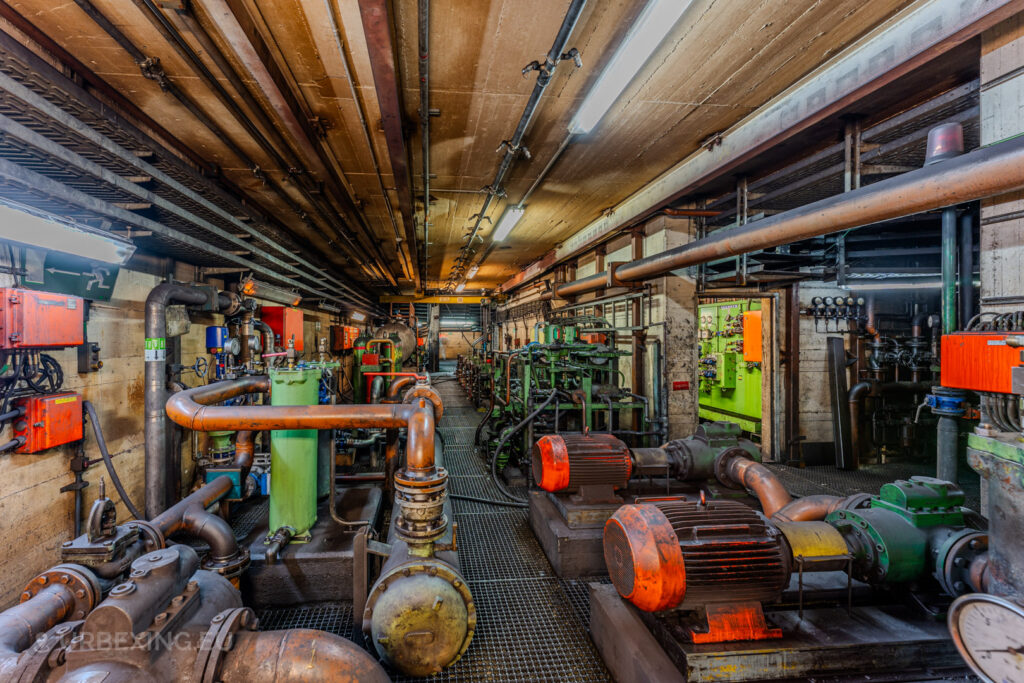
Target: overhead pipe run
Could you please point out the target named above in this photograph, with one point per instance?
(976, 175)
(514, 145)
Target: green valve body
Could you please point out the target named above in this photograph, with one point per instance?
(293, 453)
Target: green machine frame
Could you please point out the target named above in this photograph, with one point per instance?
(730, 387)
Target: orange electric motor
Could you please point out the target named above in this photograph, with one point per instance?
(673, 553)
(565, 462)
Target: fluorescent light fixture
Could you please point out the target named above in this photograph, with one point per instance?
(329, 307)
(357, 316)
(472, 272)
(461, 287)
(650, 28)
(45, 233)
(279, 295)
(508, 222)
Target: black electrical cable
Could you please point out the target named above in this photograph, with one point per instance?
(504, 438)
(102, 444)
(488, 501)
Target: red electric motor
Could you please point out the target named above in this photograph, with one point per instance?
(569, 461)
(719, 558)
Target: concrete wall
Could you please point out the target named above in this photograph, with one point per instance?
(1002, 116)
(454, 344)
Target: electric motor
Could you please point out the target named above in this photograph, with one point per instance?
(676, 553)
(565, 462)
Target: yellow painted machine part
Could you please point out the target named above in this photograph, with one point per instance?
(812, 540)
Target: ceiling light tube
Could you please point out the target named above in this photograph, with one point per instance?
(357, 316)
(472, 272)
(508, 221)
(279, 295)
(647, 33)
(460, 287)
(46, 233)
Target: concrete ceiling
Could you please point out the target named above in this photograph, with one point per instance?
(718, 65)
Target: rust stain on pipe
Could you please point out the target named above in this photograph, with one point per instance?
(808, 509)
(762, 481)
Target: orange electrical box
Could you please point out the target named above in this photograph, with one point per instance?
(286, 322)
(593, 338)
(49, 421)
(979, 361)
(343, 337)
(30, 319)
(752, 337)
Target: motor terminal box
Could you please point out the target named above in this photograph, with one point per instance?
(39, 320)
(286, 322)
(980, 361)
(50, 420)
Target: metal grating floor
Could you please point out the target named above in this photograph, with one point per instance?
(531, 625)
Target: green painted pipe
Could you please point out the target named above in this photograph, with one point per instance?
(949, 249)
(293, 453)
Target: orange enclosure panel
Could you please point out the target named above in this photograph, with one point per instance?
(285, 322)
(343, 337)
(978, 361)
(49, 421)
(30, 319)
(752, 352)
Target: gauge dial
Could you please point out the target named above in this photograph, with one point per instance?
(989, 633)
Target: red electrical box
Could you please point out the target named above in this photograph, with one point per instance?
(979, 361)
(49, 421)
(752, 337)
(30, 319)
(286, 322)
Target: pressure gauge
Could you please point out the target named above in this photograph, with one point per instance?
(989, 633)
(829, 301)
(234, 346)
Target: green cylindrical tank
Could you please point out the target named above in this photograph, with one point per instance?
(293, 453)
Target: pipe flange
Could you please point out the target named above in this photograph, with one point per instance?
(722, 461)
(231, 567)
(219, 640)
(80, 582)
(857, 501)
(150, 534)
(46, 654)
(954, 557)
(406, 604)
(234, 304)
(427, 392)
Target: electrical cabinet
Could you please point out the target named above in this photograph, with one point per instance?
(50, 420)
(286, 322)
(30, 319)
(729, 338)
(343, 337)
(980, 361)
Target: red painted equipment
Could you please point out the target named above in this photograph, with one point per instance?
(31, 319)
(568, 462)
(343, 337)
(49, 421)
(286, 323)
(720, 558)
(979, 361)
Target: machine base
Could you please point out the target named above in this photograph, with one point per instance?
(572, 552)
(886, 642)
(319, 570)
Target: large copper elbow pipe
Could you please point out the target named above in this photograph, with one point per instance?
(809, 509)
(759, 479)
(297, 656)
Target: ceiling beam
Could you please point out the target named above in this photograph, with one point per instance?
(377, 29)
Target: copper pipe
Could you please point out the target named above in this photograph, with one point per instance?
(398, 384)
(762, 481)
(985, 172)
(808, 509)
(244, 448)
(298, 656)
(419, 445)
(190, 516)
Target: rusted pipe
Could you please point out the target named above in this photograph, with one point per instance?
(983, 173)
(22, 624)
(398, 384)
(808, 509)
(190, 516)
(761, 481)
(298, 655)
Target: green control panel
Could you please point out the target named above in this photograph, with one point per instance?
(730, 383)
